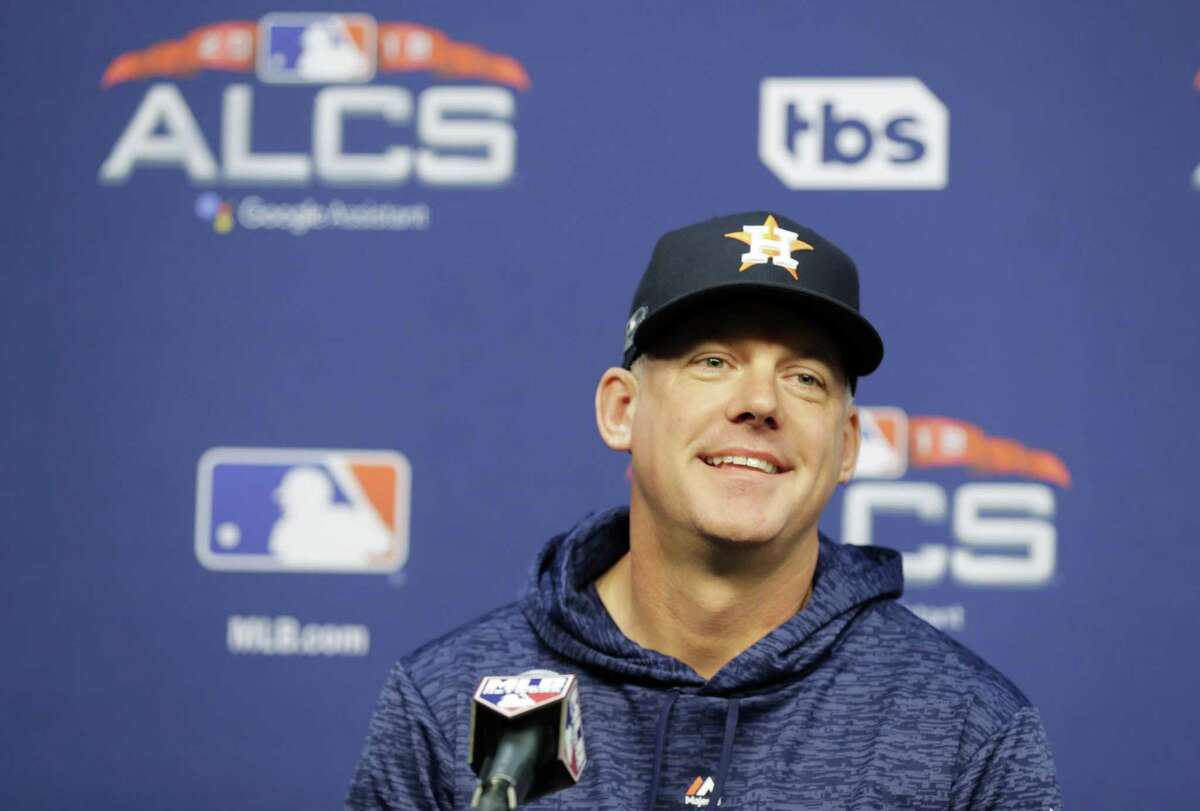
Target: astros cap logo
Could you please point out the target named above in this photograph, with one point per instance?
(770, 243)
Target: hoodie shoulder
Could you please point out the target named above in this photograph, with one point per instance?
(447, 670)
(496, 631)
(947, 655)
(1004, 754)
(925, 666)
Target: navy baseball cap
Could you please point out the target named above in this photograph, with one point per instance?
(753, 253)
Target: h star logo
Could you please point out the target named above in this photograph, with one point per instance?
(770, 244)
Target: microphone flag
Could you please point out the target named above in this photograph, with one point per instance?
(548, 700)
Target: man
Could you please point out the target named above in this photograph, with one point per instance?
(727, 654)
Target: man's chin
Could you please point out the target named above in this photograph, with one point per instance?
(747, 532)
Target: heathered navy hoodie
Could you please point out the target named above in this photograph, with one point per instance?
(853, 703)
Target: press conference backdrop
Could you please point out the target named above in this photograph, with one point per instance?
(274, 276)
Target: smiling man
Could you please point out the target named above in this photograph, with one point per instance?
(740, 425)
(727, 653)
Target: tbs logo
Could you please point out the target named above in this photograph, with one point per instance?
(879, 133)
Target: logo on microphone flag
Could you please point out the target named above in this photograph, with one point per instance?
(515, 695)
(554, 696)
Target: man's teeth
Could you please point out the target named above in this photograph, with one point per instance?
(744, 461)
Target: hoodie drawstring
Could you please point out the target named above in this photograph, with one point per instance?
(660, 740)
(731, 722)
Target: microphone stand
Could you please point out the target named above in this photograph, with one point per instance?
(508, 774)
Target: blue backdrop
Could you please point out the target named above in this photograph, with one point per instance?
(242, 243)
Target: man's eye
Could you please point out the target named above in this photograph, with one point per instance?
(809, 380)
(713, 363)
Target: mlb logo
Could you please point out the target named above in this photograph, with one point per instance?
(515, 695)
(283, 510)
(884, 450)
(316, 48)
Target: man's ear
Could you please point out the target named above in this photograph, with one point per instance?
(616, 401)
(851, 440)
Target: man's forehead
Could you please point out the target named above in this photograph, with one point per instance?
(741, 319)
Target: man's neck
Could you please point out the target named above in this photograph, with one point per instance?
(701, 601)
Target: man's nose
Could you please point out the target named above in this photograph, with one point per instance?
(755, 399)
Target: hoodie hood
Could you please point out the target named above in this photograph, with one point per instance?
(565, 610)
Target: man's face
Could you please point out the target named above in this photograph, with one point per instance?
(742, 425)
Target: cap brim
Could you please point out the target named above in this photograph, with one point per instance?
(858, 341)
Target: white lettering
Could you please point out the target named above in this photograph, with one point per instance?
(944, 617)
(1033, 537)
(524, 684)
(255, 213)
(247, 634)
(180, 144)
(286, 636)
(332, 107)
(1018, 548)
(467, 135)
(298, 218)
(241, 164)
(493, 684)
(863, 500)
(440, 124)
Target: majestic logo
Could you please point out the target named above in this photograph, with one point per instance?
(459, 135)
(770, 243)
(698, 791)
(1002, 532)
(282, 510)
(877, 133)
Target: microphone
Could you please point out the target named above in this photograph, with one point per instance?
(525, 739)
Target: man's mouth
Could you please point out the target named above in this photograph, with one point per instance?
(752, 462)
